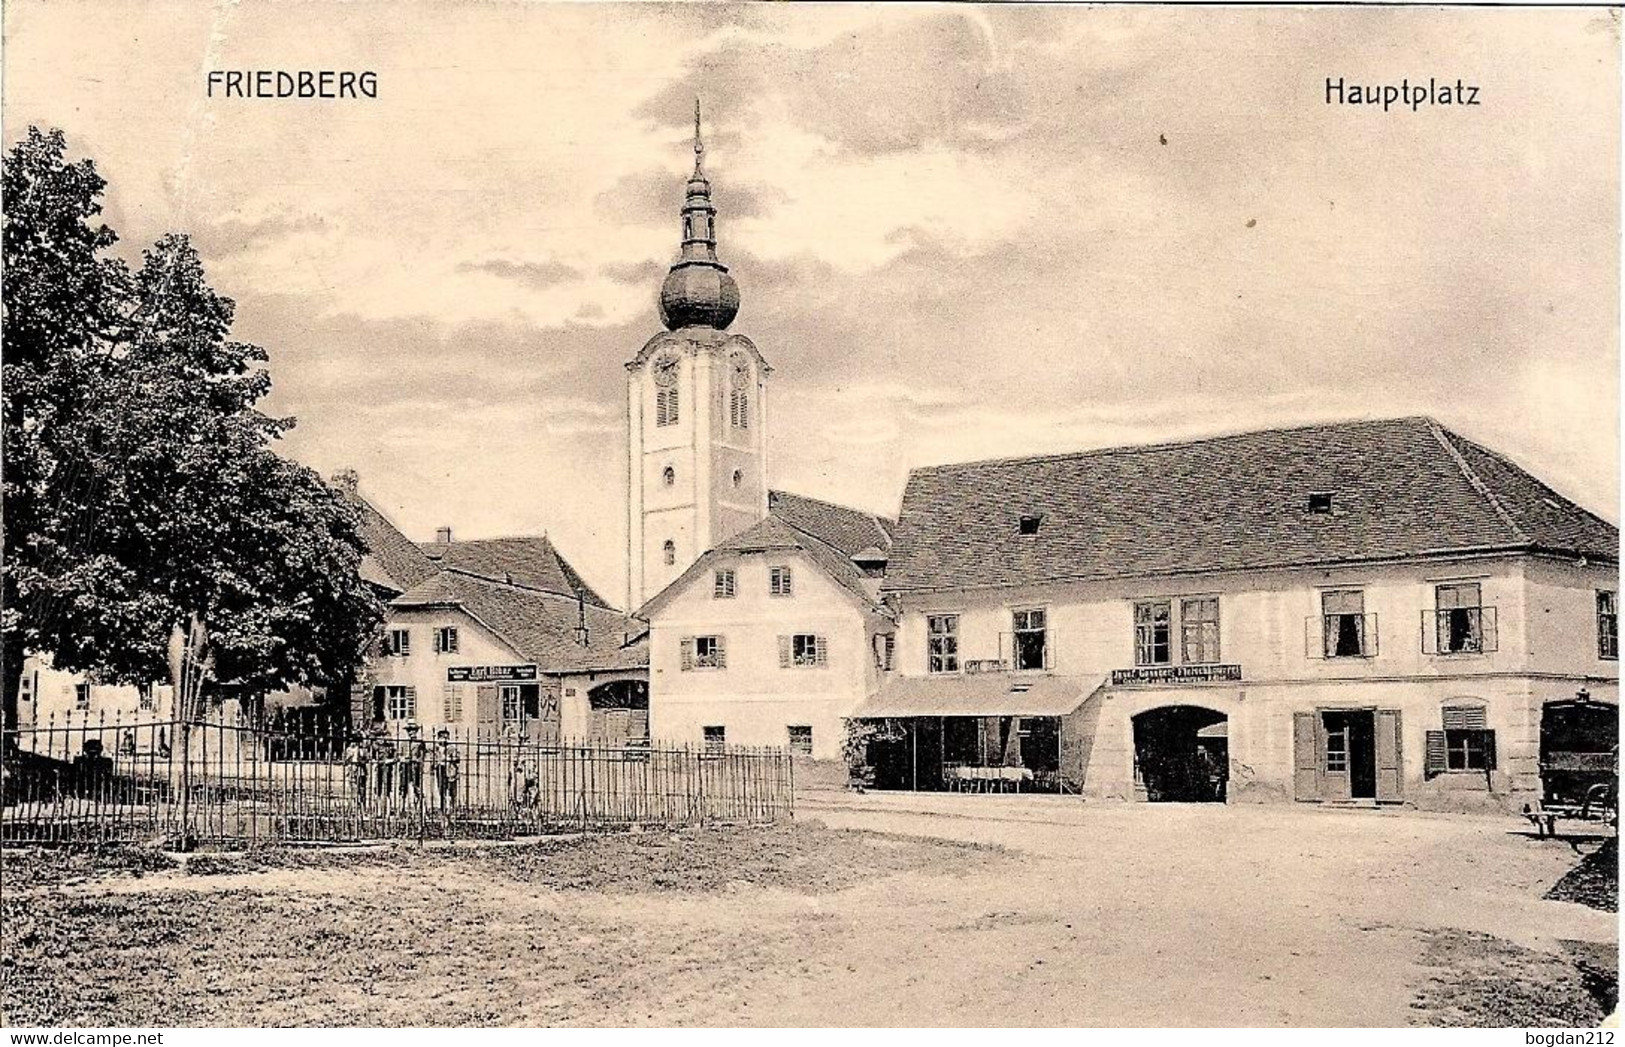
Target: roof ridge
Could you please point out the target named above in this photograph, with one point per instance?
(826, 502)
(1444, 436)
(538, 590)
(1165, 445)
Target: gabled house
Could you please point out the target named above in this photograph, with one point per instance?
(775, 635)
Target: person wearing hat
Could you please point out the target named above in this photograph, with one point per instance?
(412, 757)
(447, 762)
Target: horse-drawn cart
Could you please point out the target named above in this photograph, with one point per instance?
(1579, 765)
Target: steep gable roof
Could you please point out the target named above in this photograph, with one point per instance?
(533, 562)
(392, 561)
(849, 530)
(539, 626)
(1399, 488)
(782, 530)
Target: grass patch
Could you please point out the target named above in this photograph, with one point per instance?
(1489, 982)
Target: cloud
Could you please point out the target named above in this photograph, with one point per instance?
(534, 275)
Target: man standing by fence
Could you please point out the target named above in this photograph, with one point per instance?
(383, 759)
(447, 766)
(412, 764)
(355, 767)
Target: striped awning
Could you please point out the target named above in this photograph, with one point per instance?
(977, 694)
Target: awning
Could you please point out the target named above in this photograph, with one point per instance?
(977, 694)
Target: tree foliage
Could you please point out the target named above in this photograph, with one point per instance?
(140, 483)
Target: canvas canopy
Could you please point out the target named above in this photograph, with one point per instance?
(974, 694)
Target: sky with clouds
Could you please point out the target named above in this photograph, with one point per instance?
(959, 232)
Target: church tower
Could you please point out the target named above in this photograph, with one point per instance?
(696, 399)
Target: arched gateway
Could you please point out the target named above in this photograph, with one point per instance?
(1181, 754)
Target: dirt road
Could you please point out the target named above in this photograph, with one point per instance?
(1073, 916)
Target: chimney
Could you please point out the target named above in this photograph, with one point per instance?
(347, 481)
(442, 535)
(581, 618)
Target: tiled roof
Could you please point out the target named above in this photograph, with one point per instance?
(1400, 488)
(849, 530)
(392, 560)
(532, 562)
(540, 626)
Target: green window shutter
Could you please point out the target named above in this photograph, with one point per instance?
(784, 652)
(1435, 763)
(687, 649)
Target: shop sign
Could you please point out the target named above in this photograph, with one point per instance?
(490, 673)
(1176, 674)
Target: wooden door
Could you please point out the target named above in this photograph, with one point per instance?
(488, 706)
(1306, 784)
(1390, 762)
(1335, 756)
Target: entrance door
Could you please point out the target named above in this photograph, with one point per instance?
(1347, 754)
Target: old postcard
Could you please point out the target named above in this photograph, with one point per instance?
(546, 514)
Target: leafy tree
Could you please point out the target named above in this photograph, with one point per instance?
(140, 485)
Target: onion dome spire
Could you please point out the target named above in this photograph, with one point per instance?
(698, 291)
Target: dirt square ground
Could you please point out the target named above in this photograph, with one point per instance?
(872, 910)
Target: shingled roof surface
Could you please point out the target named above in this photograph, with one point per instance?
(849, 530)
(539, 626)
(531, 562)
(392, 560)
(1400, 488)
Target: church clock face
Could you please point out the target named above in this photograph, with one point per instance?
(665, 371)
(741, 371)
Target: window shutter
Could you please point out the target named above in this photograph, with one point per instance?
(637, 728)
(410, 694)
(451, 641)
(1435, 754)
(820, 651)
(687, 653)
(1464, 718)
(488, 704)
(1489, 750)
(1305, 757)
(378, 696)
(722, 653)
(1487, 618)
(438, 649)
(784, 652)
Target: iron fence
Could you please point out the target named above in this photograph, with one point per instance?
(226, 780)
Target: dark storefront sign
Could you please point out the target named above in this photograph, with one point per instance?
(1176, 674)
(490, 673)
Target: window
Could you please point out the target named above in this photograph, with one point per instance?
(1343, 629)
(1468, 742)
(668, 476)
(723, 588)
(778, 581)
(803, 651)
(739, 477)
(445, 640)
(668, 552)
(1153, 624)
(1607, 625)
(1459, 618)
(702, 652)
(451, 703)
(1029, 525)
(513, 708)
(397, 643)
(81, 696)
(1337, 748)
(942, 643)
(885, 651)
(716, 738)
(400, 703)
(1320, 502)
(144, 698)
(1199, 630)
(800, 739)
(25, 688)
(1030, 649)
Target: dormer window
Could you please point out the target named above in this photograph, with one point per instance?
(1320, 503)
(1029, 525)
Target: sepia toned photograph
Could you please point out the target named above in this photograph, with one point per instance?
(954, 516)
